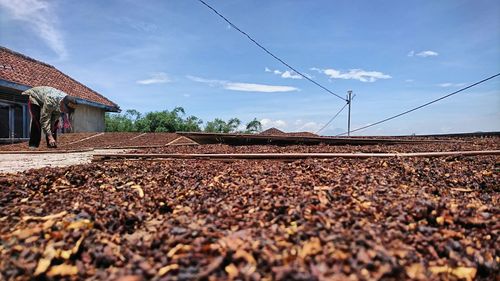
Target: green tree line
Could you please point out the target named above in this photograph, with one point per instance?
(175, 120)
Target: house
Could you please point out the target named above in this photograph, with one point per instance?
(19, 73)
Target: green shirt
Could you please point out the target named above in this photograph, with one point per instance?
(49, 100)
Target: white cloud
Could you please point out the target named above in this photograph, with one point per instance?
(307, 126)
(356, 74)
(298, 125)
(39, 15)
(269, 123)
(411, 53)
(249, 87)
(310, 127)
(285, 74)
(243, 87)
(156, 78)
(448, 85)
(291, 75)
(206, 81)
(425, 54)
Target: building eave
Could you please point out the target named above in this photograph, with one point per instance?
(98, 105)
(13, 85)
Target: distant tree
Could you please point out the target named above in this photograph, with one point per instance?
(253, 127)
(161, 121)
(115, 122)
(221, 126)
(232, 125)
(216, 126)
(132, 114)
(172, 121)
(191, 124)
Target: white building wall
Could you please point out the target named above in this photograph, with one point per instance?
(88, 119)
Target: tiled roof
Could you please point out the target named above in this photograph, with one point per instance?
(302, 134)
(272, 132)
(277, 132)
(21, 69)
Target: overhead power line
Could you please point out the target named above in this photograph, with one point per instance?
(269, 52)
(330, 121)
(423, 105)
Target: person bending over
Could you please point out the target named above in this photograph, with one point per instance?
(46, 105)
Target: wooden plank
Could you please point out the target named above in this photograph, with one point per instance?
(84, 139)
(288, 156)
(189, 141)
(251, 139)
(47, 151)
(136, 137)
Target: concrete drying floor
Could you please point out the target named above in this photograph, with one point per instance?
(10, 163)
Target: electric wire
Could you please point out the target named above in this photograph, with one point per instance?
(423, 105)
(269, 52)
(330, 121)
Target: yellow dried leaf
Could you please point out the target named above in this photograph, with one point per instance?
(311, 247)
(217, 178)
(68, 253)
(232, 271)
(462, 189)
(323, 199)
(177, 248)
(27, 232)
(440, 220)
(322, 188)
(467, 273)
(166, 269)
(487, 173)
(49, 217)
(48, 224)
(469, 250)
(44, 262)
(366, 205)
(251, 265)
(245, 255)
(62, 270)
(340, 255)
(65, 254)
(80, 224)
(31, 239)
(138, 189)
(416, 271)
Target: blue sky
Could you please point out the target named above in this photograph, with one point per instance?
(394, 55)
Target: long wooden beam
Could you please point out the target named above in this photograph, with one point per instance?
(84, 139)
(52, 151)
(288, 156)
(251, 139)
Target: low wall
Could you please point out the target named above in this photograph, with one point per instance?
(88, 119)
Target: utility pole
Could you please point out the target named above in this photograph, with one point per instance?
(349, 100)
